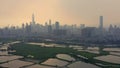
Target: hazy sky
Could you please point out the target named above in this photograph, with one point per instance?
(16, 12)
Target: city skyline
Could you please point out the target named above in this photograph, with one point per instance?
(101, 23)
(59, 34)
(78, 12)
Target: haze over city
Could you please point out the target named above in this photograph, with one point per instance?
(59, 34)
(15, 12)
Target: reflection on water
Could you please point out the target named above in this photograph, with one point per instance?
(65, 57)
(55, 62)
(109, 58)
(80, 64)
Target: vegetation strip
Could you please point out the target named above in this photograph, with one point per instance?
(43, 53)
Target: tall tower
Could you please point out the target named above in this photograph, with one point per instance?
(49, 22)
(49, 27)
(57, 25)
(33, 19)
(101, 22)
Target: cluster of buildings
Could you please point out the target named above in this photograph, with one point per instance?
(67, 32)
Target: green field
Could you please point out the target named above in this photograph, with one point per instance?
(39, 53)
(44, 53)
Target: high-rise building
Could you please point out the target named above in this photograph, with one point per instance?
(23, 26)
(33, 24)
(49, 27)
(101, 22)
(46, 24)
(49, 22)
(82, 26)
(57, 25)
(88, 32)
(33, 19)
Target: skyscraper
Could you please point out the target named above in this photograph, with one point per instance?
(101, 30)
(33, 19)
(49, 27)
(33, 24)
(23, 26)
(57, 25)
(49, 22)
(101, 22)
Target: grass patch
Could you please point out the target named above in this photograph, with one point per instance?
(44, 53)
(39, 52)
(86, 54)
